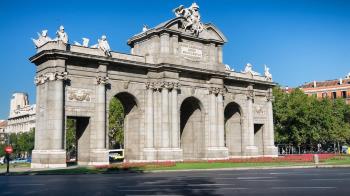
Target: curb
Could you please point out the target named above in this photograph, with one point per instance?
(32, 172)
(253, 168)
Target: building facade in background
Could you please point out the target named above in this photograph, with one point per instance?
(339, 88)
(3, 125)
(22, 115)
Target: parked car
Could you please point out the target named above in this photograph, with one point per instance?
(2, 160)
(116, 155)
(19, 160)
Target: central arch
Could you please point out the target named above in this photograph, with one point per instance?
(233, 129)
(131, 125)
(192, 129)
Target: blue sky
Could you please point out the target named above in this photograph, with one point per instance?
(299, 40)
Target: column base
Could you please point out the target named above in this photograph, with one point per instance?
(149, 154)
(48, 159)
(167, 154)
(217, 153)
(98, 157)
(250, 151)
(270, 151)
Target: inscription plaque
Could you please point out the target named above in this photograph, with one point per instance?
(190, 51)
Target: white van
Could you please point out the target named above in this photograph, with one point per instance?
(116, 155)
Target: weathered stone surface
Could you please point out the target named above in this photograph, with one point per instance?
(180, 102)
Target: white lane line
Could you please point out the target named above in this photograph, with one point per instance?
(331, 179)
(209, 184)
(173, 185)
(192, 189)
(26, 184)
(253, 178)
(304, 187)
(262, 180)
(295, 174)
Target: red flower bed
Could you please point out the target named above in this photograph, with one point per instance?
(302, 158)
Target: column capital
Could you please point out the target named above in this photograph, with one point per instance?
(216, 91)
(269, 96)
(250, 92)
(102, 80)
(50, 76)
(162, 85)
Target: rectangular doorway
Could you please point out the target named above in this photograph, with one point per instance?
(259, 138)
(77, 139)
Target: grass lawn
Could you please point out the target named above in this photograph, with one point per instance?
(142, 167)
(15, 165)
(217, 165)
(338, 160)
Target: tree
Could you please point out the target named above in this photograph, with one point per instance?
(22, 143)
(116, 124)
(306, 121)
(71, 146)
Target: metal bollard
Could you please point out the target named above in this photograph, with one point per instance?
(316, 159)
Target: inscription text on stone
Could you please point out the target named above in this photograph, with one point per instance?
(190, 51)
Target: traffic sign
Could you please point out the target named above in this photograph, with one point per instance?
(8, 149)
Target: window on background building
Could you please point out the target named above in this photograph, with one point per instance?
(324, 95)
(334, 95)
(343, 94)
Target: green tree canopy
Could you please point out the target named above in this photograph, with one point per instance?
(300, 119)
(116, 124)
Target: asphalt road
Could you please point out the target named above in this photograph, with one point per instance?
(308, 182)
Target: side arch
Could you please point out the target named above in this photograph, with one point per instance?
(131, 124)
(192, 126)
(233, 128)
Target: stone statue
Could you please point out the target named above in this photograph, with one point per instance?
(228, 68)
(42, 39)
(145, 28)
(62, 35)
(85, 42)
(249, 69)
(103, 45)
(192, 18)
(267, 73)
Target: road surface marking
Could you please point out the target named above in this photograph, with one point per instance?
(253, 178)
(302, 187)
(331, 179)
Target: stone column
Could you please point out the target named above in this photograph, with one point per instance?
(248, 137)
(56, 114)
(165, 117)
(149, 114)
(164, 43)
(175, 139)
(270, 148)
(49, 152)
(221, 126)
(100, 114)
(175, 44)
(99, 152)
(213, 119)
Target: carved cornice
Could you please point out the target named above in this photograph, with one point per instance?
(102, 80)
(216, 91)
(161, 85)
(50, 76)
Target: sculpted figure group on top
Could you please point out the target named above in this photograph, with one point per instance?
(62, 36)
(192, 18)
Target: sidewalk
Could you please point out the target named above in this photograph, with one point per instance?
(30, 171)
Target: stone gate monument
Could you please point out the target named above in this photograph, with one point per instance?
(180, 101)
